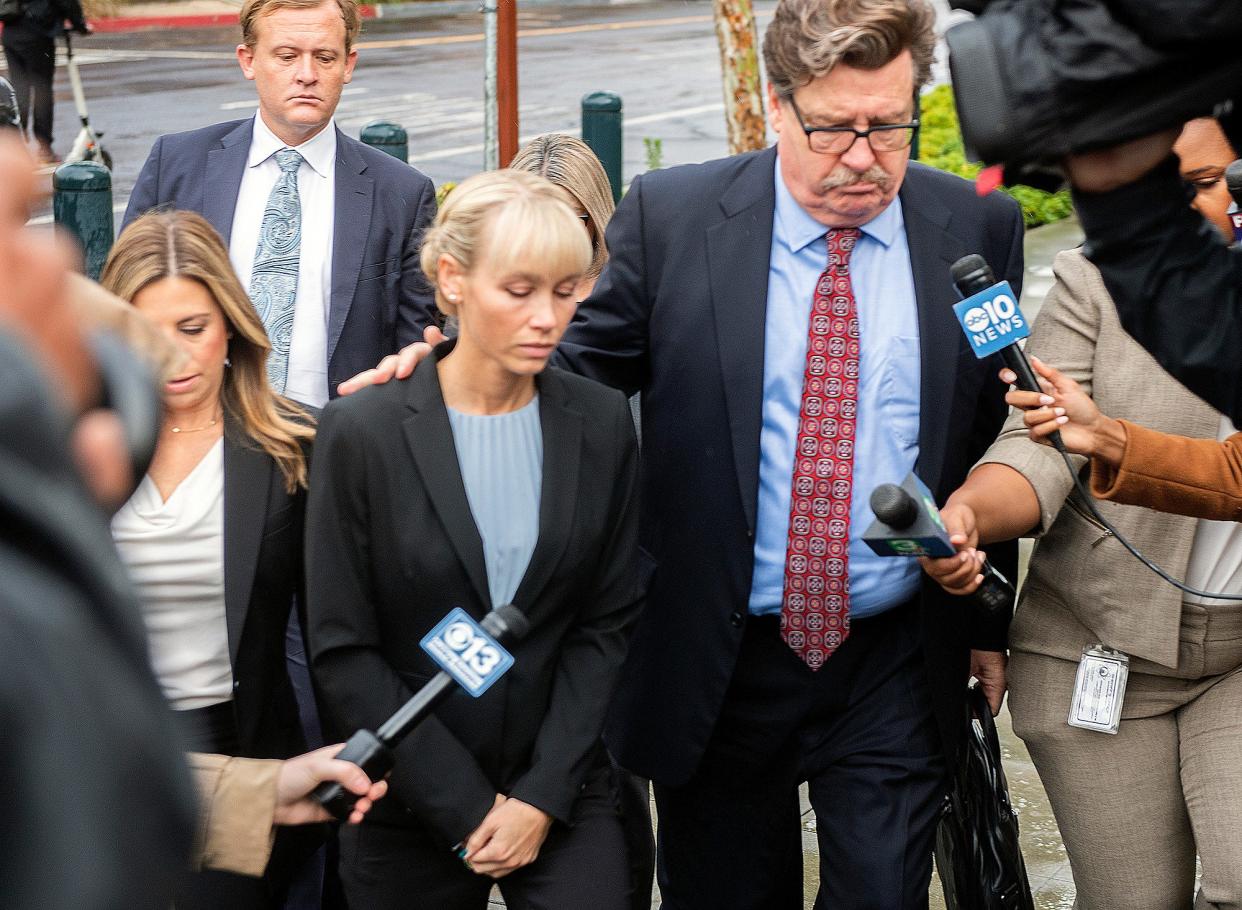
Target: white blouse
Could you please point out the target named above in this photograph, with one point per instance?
(1216, 555)
(174, 551)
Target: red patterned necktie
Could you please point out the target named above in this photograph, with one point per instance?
(815, 609)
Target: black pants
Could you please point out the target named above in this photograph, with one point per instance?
(581, 865)
(32, 66)
(860, 731)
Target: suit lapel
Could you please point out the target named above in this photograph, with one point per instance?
(430, 438)
(738, 255)
(226, 163)
(247, 485)
(933, 248)
(353, 200)
(562, 451)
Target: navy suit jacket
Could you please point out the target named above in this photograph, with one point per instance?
(380, 299)
(678, 315)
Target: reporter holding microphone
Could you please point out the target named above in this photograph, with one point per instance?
(481, 480)
(1136, 806)
(1133, 464)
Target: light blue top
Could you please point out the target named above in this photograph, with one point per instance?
(501, 461)
(887, 427)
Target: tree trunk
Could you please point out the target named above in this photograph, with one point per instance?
(739, 66)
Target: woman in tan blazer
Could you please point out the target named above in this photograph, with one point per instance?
(1135, 807)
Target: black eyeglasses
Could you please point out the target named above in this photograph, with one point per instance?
(837, 140)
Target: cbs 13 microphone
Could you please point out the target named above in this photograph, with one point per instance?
(907, 523)
(470, 654)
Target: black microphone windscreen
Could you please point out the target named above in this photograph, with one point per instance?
(894, 506)
(1233, 179)
(972, 274)
(506, 621)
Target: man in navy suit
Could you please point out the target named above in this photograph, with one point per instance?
(326, 242)
(787, 317)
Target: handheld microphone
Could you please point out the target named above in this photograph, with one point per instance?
(1233, 180)
(990, 317)
(472, 656)
(992, 322)
(908, 524)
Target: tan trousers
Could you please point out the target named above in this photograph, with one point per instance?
(1133, 807)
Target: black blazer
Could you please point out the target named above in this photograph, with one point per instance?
(678, 314)
(392, 548)
(263, 527)
(380, 299)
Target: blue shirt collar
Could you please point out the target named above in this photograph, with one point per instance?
(798, 229)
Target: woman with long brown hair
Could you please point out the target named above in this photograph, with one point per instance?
(212, 536)
(569, 163)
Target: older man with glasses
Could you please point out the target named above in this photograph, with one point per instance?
(787, 316)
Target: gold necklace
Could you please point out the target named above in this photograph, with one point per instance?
(214, 421)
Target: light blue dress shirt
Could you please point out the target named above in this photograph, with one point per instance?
(501, 462)
(887, 427)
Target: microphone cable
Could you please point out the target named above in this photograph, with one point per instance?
(1089, 500)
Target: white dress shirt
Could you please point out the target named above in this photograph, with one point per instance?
(174, 551)
(308, 350)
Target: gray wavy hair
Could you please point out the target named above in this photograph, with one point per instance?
(807, 38)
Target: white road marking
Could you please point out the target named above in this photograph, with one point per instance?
(628, 121)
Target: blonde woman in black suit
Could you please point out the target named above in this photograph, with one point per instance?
(483, 479)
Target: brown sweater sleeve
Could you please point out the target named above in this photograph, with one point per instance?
(1197, 477)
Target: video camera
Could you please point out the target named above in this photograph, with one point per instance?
(1036, 80)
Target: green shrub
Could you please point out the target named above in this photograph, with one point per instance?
(940, 145)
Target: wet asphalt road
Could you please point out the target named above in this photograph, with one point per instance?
(427, 74)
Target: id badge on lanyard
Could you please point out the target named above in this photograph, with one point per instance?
(1099, 689)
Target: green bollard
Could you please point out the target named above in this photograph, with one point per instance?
(82, 202)
(387, 137)
(601, 130)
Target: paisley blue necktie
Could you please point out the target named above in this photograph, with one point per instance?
(274, 279)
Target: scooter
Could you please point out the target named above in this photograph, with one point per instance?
(86, 147)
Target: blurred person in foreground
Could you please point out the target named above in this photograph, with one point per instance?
(1133, 809)
(787, 317)
(98, 806)
(212, 536)
(483, 479)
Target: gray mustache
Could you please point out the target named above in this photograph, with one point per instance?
(842, 176)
